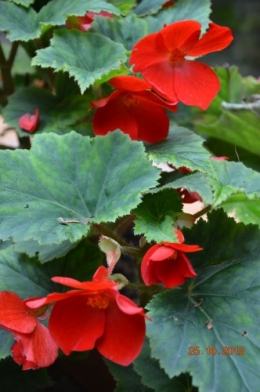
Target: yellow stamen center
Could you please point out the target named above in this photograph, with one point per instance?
(100, 301)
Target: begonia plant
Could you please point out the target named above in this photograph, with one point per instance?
(130, 202)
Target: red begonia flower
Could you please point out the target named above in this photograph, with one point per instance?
(34, 346)
(188, 196)
(167, 263)
(95, 315)
(134, 109)
(29, 122)
(161, 58)
(83, 23)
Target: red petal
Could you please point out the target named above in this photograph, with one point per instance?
(183, 247)
(147, 267)
(215, 39)
(36, 349)
(184, 266)
(115, 115)
(53, 297)
(168, 273)
(162, 253)
(129, 83)
(179, 235)
(123, 337)
(14, 315)
(74, 325)
(149, 51)
(125, 304)
(83, 285)
(195, 84)
(29, 122)
(181, 35)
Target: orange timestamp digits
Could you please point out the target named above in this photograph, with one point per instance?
(212, 350)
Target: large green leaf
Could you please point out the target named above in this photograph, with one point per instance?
(156, 216)
(183, 9)
(182, 148)
(6, 341)
(57, 114)
(25, 3)
(56, 11)
(126, 30)
(49, 193)
(246, 211)
(234, 177)
(20, 23)
(232, 117)
(209, 325)
(124, 5)
(86, 57)
(154, 376)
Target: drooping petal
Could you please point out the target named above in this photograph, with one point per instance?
(129, 83)
(183, 247)
(123, 337)
(184, 266)
(168, 273)
(125, 304)
(195, 84)
(162, 77)
(82, 285)
(152, 122)
(75, 325)
(215, 39)
(35, 350)
(115, 115)
(53, 297)
(29, 122)
(14, 315)
(181, 35)
(162, 253)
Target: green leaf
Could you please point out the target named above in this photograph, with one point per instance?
(234, 177)
(126, 30)
(21, 24)
(124, 6)
(56, 11)
(232, 117)
(6, 341)
(182, 9)
(13, 378)
(98, 56)
(25, 3)
(148, 7)
(218, 310)
(127, 379)
(49, 193)
(57, 114)
(194, 182)
(23, 276)
(246, 211)
(155, 216)
(156, 378)
(182, 148)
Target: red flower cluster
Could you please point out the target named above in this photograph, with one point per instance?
(134, 109)
(167, 263)
(34, 347)
(161, 58)
(94, 314)
(29, 122)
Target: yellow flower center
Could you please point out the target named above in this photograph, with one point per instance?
(100, 301)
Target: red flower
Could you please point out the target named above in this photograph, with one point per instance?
(160, 57)
(96, 314)
(29, 122)
(134, 109)
(83, 23)
(167, 263)
(33, 347)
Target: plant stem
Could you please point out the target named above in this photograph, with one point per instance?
(6, 67)
(202, 212)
